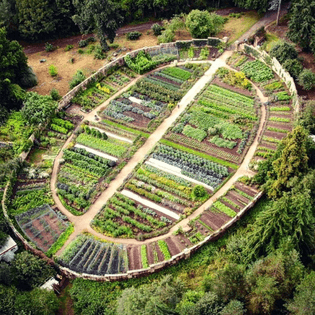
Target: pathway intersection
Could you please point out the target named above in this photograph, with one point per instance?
(82, 223)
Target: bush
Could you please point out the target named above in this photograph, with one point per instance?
(202, 24)
(28, 78)
(83, 43)
(53, 71)
(294, 67)
(54, 94)
(157, 29)
(283, 51)
(68, 47)
(133, 35)
(307, 79)
(81, 51)
(113, 46)
(199, 191)
(91, 39)
(77, 79)
(49, 47)
(166, 37)
(99, 53)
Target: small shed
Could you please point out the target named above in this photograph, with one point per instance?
(8, 249)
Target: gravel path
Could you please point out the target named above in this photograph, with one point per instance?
(150, 204)
(82, 223)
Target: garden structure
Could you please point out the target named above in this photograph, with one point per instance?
(162, 170)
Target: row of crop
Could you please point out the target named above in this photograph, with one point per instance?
(111, 146)
(257, 71)
(135, 218)
(195, 167)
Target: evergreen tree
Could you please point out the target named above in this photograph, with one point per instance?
(302, 24)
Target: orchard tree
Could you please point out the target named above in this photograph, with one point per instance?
(202, 24)
(302, 24)
(104, 15)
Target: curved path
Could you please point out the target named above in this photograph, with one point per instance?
(82, 223)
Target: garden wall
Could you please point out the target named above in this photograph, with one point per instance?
(168, 48)
(164, 264)
(275, 65)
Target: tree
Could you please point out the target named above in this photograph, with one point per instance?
(307, 119)
(38, 108)
(36, 18)
(302, 24)
(274, 5)
(307, 79)
(13, 62)
(291, 163)
(30, 271)
(91, 13)
(294, 67)
(260, 5)
(234, 307)
(202, 24)
(283, 51)
(157, 29)
(304, 297)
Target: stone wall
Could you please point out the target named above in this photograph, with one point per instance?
(275, 65)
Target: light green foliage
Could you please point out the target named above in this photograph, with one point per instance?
(54, 94)
(144, 257)
(164, 249)
(53, 72)
(194, 133)
(177, 73)
(257, 71)
(222, 207)
(202, 24)
(38, 108)
(77, 79)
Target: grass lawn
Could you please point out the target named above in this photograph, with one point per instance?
(236, 27)
(35, 155)
(271, 39)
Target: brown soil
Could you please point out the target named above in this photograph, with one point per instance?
(245, 92)
(201, 229)
(150, 254)
(178, 244)
(166, 80)
(245, 189)
(172, 246)
(234, 199)
(183, 241)
(134, 257)
(213, 220)
(159, 253)
(239, 197)
(268, 145)
(230, 206)
(139, 120)
(279, 125)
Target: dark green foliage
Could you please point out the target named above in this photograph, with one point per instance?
(157, 29)
(283, 51)
(49, 47)
(307, 79)
(235, 307)
(82, 43)
(202, 24)
(91, 13)
(303, 301)
(307, 119)
(199, 191)
(260, 5)
(28, 78)
(29, 271)
(54, 94)
(294, 67)
(302, 24)
(99, 53)
(77, 79)
(133, 35)
(13, 62)
(38, 108)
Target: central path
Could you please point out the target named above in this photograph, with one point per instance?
(82, 223)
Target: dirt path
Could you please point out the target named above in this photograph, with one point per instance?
(268, 18)
(82, 223)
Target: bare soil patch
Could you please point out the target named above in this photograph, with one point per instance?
(172, 246)
(134, 257)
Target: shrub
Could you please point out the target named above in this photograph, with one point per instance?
(55, 94)
(53, 70)
(83, 43)
(294, 67)
(283, 51)
(77, 79)
(307, 79)
(81, 51)
(99, 53)
(114, 46)
(68, 47)
(91, 39)
(167, 36)
(198, 191)
(133, 35)
(28, 78)
(49, 47)
(157, 29)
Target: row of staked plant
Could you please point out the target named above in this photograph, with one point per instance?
(87, 255)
